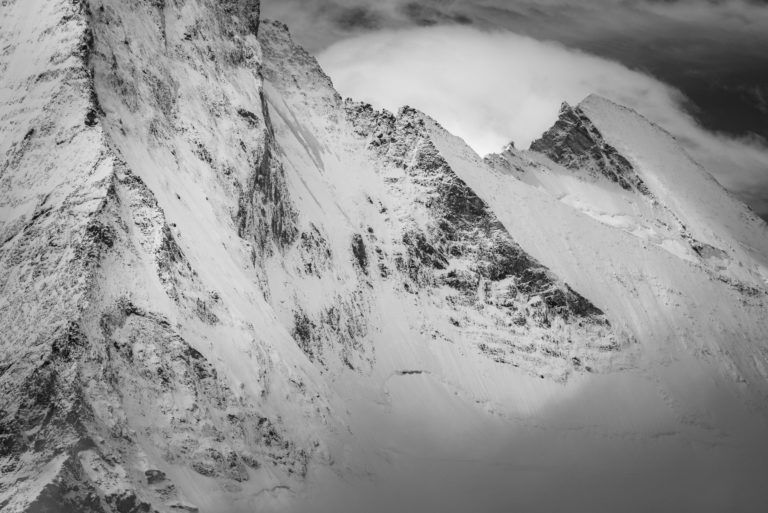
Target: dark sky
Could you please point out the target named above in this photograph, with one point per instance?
(714, 52)
(721, 66)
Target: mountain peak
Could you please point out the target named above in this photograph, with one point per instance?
(576, 143)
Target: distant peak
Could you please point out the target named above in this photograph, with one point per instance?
(576, 143)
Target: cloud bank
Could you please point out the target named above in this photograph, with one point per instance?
(491, 88)
(712, 50)
(319, 23)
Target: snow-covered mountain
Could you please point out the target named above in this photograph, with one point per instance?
(227, 289)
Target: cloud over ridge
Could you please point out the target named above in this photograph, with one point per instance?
(493, 87)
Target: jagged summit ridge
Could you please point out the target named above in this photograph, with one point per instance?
(445, 237)
(576, 143)
(471, 251)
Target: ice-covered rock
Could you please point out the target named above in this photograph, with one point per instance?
(225, 288)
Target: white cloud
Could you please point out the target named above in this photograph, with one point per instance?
(493, 87)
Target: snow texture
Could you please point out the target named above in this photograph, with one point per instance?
(226, 288)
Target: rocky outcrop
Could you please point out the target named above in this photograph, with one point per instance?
(105, 384)
(493, 285)
(524, 314)
(577, 144)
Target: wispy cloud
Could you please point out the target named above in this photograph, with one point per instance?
(493, 87)
(710, 50)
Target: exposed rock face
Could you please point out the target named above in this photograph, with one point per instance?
(449, 250)
(576, 143)
(104, 311)
(527, 314)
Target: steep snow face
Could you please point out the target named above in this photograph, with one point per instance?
(663, 281)
(55, 180)
(658, 180)
(692, 295)
(695, 324)
(142, 368)
(224, 288)
(416, 231)
(711, 215)
(411, 221)
(54, 173)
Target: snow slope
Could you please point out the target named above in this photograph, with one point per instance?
(691, 368)
(225, 288)
(142, 364)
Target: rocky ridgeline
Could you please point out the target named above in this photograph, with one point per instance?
(103, 307)
(525, 315)
(577, 144)
(488, 290)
